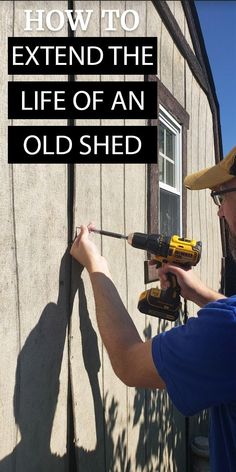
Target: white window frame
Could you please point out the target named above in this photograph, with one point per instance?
(168, 120)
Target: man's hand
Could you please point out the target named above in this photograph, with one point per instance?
(192, 288)
(86, 252)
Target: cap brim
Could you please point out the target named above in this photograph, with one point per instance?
(207, 178)
(214, 176)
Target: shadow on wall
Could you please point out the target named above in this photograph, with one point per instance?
(159, 437)
(37, 386)
(107, 456)
(36, 393)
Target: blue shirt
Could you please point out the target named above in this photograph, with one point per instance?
(197, 362)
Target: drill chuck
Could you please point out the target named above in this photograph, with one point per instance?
(157, 244)
(173, 249)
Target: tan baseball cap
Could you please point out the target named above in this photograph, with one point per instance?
(214, 176)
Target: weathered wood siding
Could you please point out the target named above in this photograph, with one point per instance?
(34, 292)
(116, 429)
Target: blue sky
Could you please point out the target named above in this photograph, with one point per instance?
(218, 23)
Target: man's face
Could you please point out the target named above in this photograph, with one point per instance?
(227, 210)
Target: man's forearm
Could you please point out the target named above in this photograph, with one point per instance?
(206, 296)
(116, 327)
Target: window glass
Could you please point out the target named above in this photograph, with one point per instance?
(170, 144)
(170, 174)
(170, 213)
(170, 170)
(161, 138)
(161, 168)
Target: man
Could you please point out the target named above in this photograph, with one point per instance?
(194, 362)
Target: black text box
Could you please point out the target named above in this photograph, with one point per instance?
(89, 56)
(81, 100)
(82, 144)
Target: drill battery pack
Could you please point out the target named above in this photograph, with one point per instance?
(164, 304)
(184, 252)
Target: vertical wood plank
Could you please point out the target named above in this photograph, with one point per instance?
(9, 327)
(39, 215)
(178, 76)
(179, 14)
(154, 28)
(86, 347)
(86, 351)
(115, 393)
(167, 49)
(136, 220)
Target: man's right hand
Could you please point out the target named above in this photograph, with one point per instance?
(192, 288)
(87, 253)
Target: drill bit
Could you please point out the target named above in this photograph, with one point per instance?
(107, 233)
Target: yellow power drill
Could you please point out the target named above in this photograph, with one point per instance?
(183, 252)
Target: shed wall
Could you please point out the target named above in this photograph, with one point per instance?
(115, 428)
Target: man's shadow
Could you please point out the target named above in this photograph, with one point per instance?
(93, 459)
(37, 386)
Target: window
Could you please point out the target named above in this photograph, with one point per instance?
(170, 174)
(166, 196)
